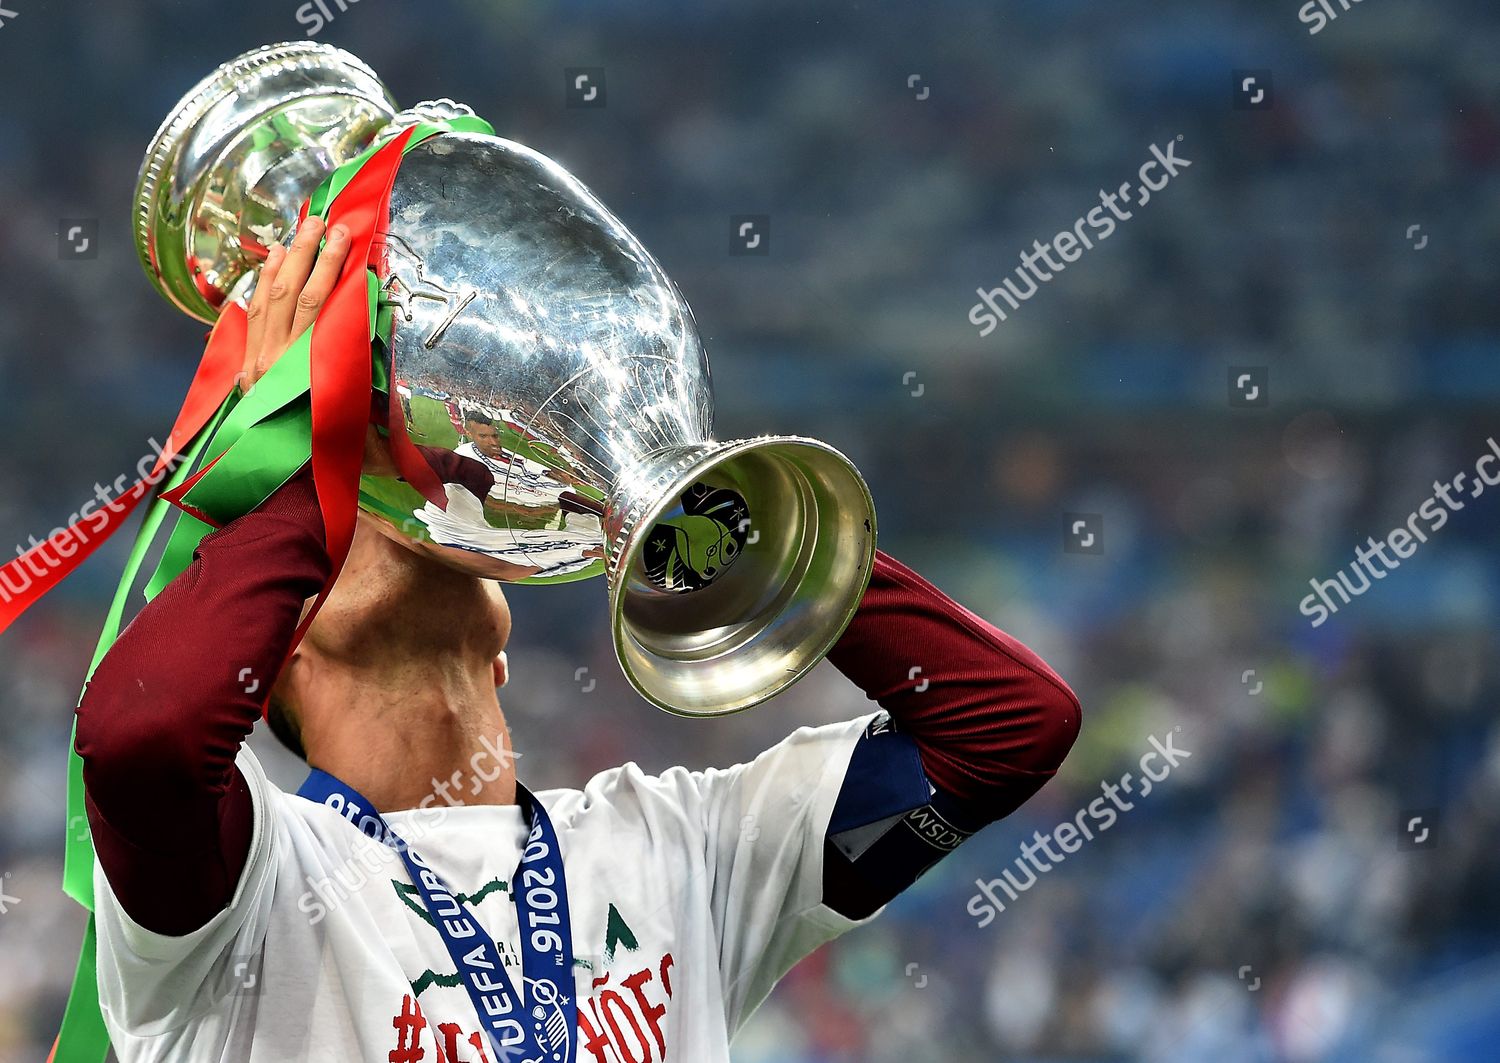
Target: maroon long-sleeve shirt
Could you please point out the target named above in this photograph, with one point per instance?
(172, 701)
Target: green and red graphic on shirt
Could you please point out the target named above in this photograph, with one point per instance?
(620, 1021)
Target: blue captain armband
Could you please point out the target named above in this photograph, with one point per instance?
(889, 823)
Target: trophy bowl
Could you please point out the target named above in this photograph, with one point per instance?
(535, 343)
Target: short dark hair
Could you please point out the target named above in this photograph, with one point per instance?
(283, 723)
(478, 417)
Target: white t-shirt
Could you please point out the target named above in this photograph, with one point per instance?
(691, 894)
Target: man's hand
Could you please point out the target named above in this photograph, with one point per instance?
(292, 288)
(291, 291)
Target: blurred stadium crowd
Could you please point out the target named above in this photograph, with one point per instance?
(1268, 901)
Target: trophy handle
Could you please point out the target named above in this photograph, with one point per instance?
(227, 172)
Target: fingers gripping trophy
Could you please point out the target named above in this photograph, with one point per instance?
(544, 369)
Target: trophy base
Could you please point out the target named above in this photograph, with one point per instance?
(742, 572)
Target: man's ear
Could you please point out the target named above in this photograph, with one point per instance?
(501, 666)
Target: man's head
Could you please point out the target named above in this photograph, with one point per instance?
(396, 625)
(481, 428)
(404, 645)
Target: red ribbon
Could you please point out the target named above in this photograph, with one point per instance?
(340, 373)
(222, 360)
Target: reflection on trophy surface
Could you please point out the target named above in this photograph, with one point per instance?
(536, 339)
(521, 517)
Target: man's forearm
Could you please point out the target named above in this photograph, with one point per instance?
(170, 704)
(991, 720)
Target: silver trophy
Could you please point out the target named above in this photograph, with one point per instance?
(536, 342)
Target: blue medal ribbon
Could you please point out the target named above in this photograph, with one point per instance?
(545, 1034)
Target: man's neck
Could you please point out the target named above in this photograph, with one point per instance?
(417, 738)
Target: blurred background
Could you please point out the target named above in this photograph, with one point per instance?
(1338, 234)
